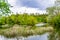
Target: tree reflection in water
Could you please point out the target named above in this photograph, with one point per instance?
(54, 36)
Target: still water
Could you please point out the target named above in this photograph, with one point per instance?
(35, 37)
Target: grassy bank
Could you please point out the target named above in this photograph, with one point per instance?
(24, 31)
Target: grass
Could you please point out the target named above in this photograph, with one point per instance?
(24, 31)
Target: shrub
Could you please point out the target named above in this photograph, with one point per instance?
(23, 19)
(55, 21)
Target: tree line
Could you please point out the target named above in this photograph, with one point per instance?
(23, 19)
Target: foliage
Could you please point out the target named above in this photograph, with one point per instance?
(41, 18)
(51, 10)
(23, 19)
(2, 20)
(54, 15)
(4, 8)
(4, 11)
(55, 22)
(16, 31)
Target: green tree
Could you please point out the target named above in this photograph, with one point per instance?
(54, 18)
(4, 7)
(31, 21)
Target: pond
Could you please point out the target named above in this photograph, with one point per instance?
(35, 37)
(41, 24)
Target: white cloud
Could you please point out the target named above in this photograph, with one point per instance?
(12, 2)
(20, 8)
(41, 3)
(27, 10)
(46, 3)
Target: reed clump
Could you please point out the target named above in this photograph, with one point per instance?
(24, 31)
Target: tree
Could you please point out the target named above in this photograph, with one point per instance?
(4, 7)
(54, 19)
(4, 10)
(31, 21)
(55, 23)
(54, 9)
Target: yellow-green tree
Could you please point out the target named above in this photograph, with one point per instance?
(4, 7)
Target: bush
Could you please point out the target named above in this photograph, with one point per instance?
(23, 19)
(55, 21)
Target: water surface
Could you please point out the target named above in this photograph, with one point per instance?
(35, 37)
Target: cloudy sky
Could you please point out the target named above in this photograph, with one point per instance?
(30, 5)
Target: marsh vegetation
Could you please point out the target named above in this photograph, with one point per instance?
(15, 25)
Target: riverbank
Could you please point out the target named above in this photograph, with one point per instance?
(33, 37)
(24, 31)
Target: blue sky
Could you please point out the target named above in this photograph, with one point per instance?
(40, 4)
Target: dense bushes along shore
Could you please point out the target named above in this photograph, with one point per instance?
(23, 19)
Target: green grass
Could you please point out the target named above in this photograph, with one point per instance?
(24, 31)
